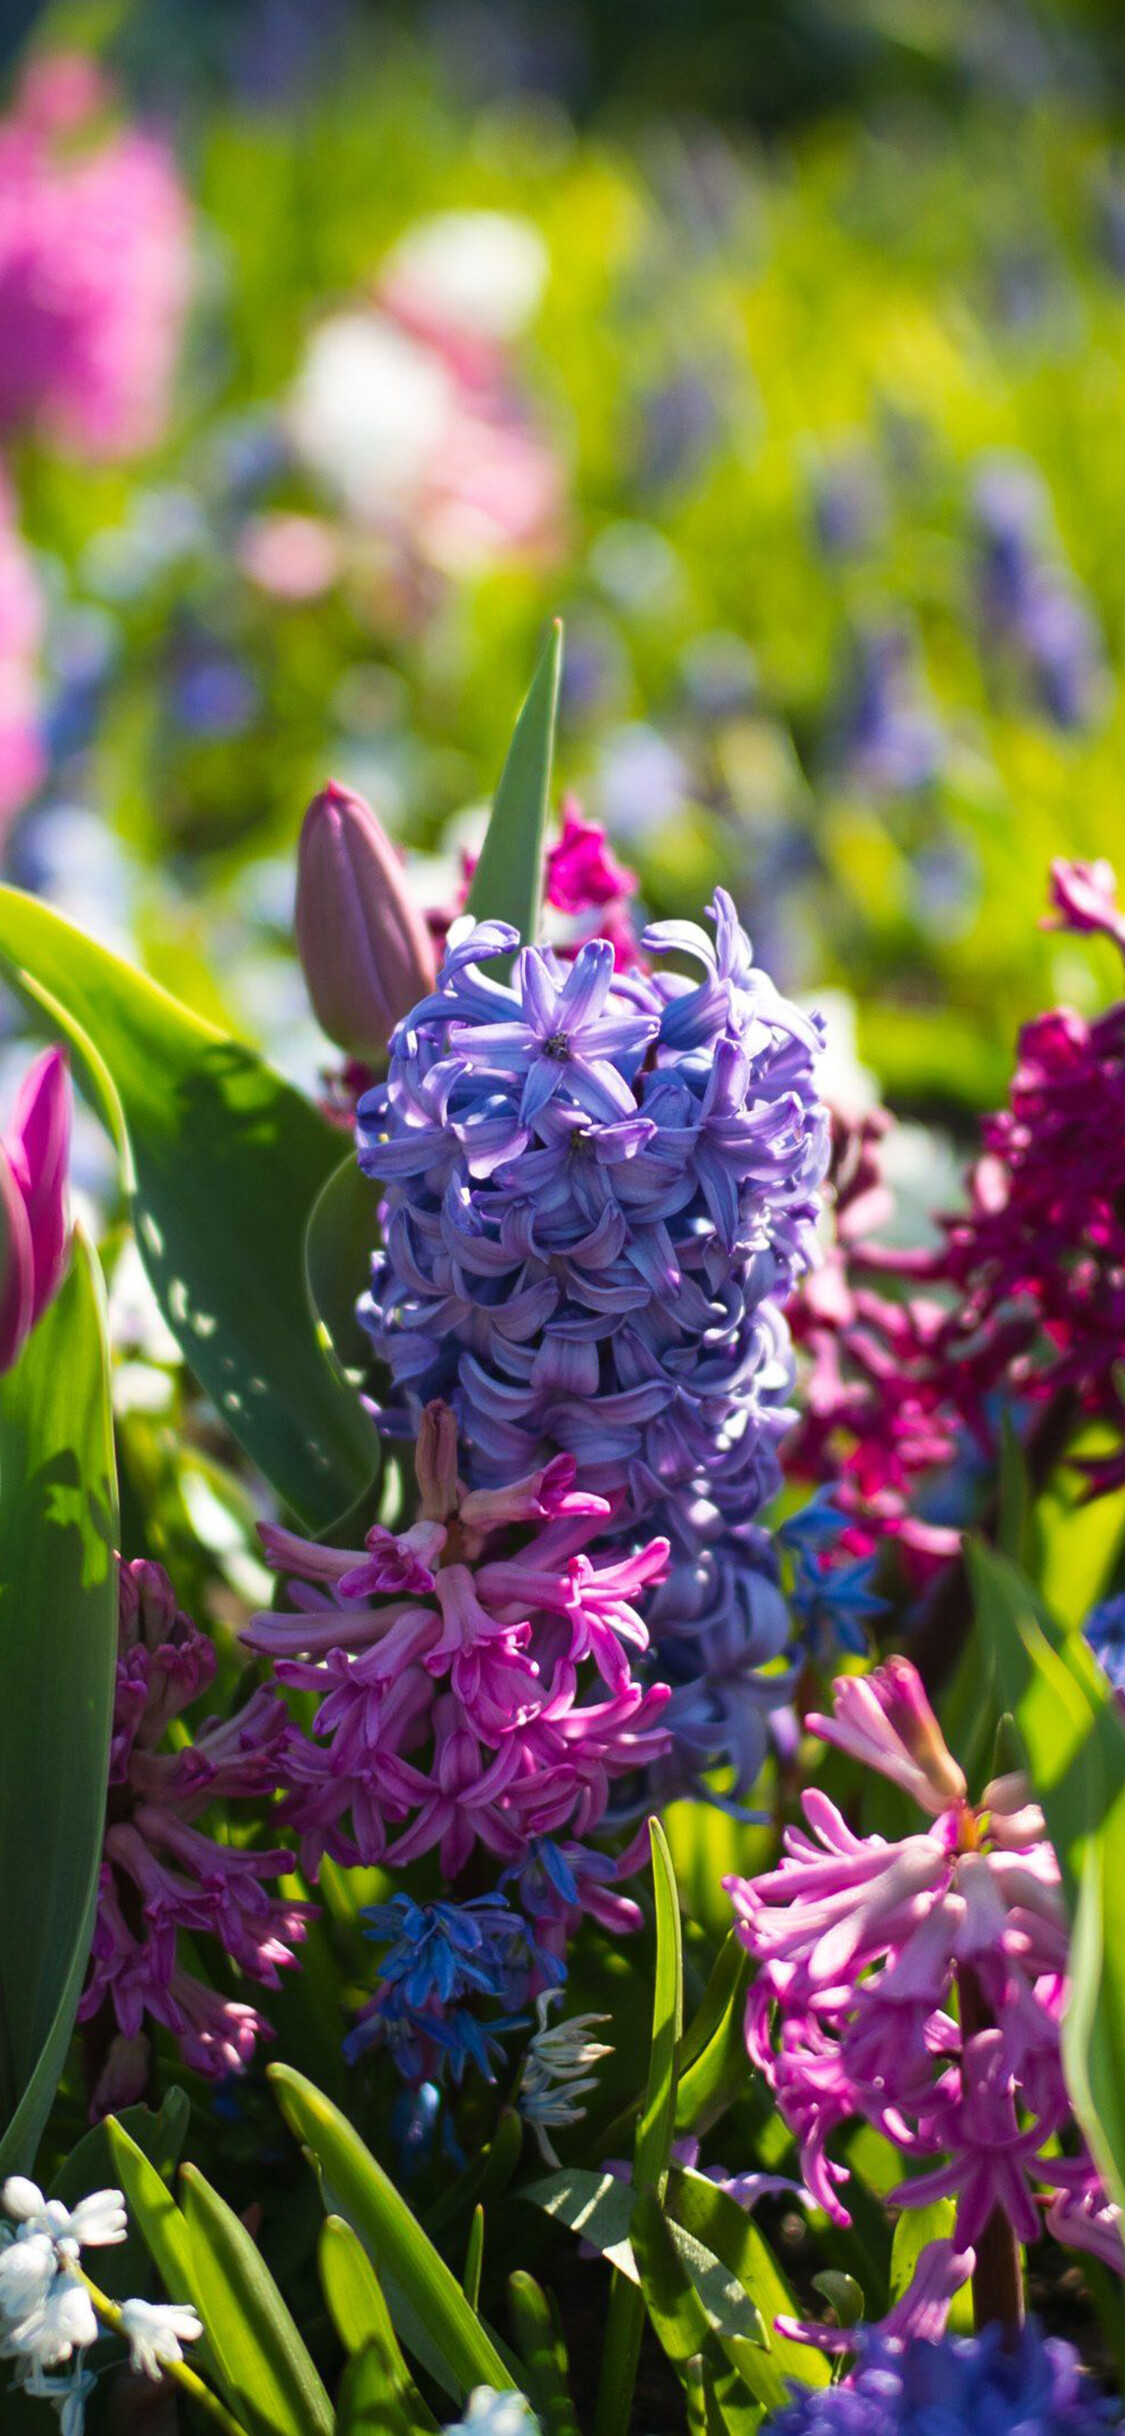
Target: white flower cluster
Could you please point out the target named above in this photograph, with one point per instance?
(557, 2071)
(47, 2317)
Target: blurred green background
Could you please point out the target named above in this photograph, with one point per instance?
(807, 416)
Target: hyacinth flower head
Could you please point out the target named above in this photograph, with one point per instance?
(598, 1184)
(1019, 1306)
(34, 1234)
(162, 1872)
(95, 267)
(920, 1984)
(1034, 2387)
(475, 1688)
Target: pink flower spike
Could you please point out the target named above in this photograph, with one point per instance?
(885, 1720)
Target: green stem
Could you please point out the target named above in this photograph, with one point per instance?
(998, 2298)
(178, 2370)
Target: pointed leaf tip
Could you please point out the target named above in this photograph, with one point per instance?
(508, 880)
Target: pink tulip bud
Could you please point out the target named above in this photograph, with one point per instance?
(363, 944)
(34, 1235)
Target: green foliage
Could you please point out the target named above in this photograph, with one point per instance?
(655, 2131)
(363, 2193)
(508, 880)
(223, 1162)
(1075, 1742)
(58, 1639)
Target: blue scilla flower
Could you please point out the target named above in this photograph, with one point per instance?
(439, 1952)
(969, 2382)
(441, 1961)
(600, 1188)
(1104, 1629)
(832, 1595)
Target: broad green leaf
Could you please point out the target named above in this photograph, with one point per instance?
(350, 2285)
(543, 2352)
(223, 1161)
(658, 2122)
(508, 880)
(731, 2233)
(265, 2366)
(377, 2397)
(914, 2228)
(655, 2132)
(363, 2322)
(367, 2197)
(1075, 1743)
(713, 2057)
(598, 2207)
(91, 2165)
(152, 2207)
(679, 2319)
(58, 1653)
(339, 1240)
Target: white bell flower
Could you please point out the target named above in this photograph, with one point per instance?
(156, 2331)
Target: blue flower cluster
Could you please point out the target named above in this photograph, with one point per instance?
(440, 1960)
(832, 1595)
(964, 2382)
(600, 1188)
(1031, 607)
(1104, 1629)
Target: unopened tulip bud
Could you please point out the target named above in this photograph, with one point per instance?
(34, 1236)
(364, 946)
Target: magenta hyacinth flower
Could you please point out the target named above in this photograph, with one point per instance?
(163, 1872)
(1022, 1300)
(475, 1684)
(34, 1233)
(920, 1985)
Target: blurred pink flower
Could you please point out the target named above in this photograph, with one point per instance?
(95, 268)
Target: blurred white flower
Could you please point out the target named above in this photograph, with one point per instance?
(369, 410)
(470, 274)
(155, 2332)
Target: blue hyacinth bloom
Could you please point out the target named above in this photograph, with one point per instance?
(964, 2382)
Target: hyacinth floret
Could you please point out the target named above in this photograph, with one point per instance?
(475, 1683)
(920, 1985)
(597, 1185)
(161, 1871)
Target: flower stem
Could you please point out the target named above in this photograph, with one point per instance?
(998, 2298)
(178, 2370)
